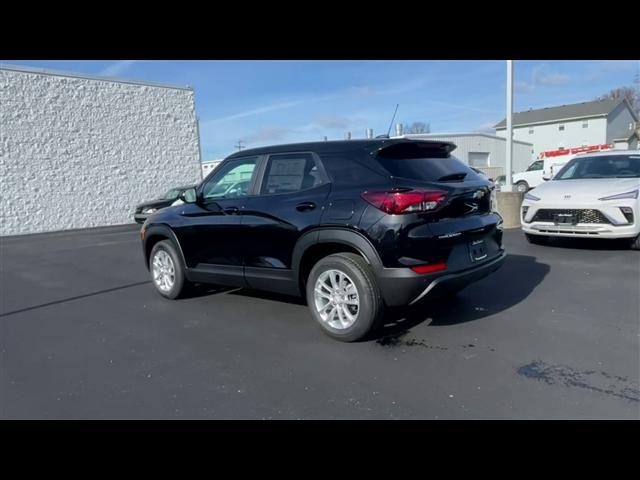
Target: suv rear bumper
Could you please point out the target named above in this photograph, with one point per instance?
(402, 286)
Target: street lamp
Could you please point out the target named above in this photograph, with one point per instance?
(508, 184)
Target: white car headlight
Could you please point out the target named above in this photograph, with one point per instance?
(530, 196)
(631, 194)
(149, 210)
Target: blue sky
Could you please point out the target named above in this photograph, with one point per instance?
(269, 102)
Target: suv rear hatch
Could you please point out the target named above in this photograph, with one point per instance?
(451, 225)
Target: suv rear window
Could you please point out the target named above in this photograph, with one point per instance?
(429, 169)
(426, 161)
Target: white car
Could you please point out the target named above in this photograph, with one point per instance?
(595, 195)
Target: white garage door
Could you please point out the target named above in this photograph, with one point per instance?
(479, 159)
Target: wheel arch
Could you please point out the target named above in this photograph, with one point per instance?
(155, 234)
(319, 243)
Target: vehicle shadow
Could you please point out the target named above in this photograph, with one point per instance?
(276, 297)
(510, 285)
(202, 290)
(588, 243)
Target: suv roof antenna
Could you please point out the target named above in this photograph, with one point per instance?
(392, 119)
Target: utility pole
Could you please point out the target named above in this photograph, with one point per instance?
(508, 184)
(239, 145)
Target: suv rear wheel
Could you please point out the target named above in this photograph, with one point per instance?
(167, 271)
(343, 296)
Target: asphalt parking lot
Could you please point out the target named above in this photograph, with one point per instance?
(554, 334)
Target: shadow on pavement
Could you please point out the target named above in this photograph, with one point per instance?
(588, 243)
(507, 287)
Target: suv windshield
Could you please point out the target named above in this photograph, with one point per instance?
(602, 166)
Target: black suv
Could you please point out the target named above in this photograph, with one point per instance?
(352, 225)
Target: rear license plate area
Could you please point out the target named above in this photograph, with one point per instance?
(478, 250)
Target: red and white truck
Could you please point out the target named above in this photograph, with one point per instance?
(549, 163)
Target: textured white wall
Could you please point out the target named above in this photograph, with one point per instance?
(78, 152)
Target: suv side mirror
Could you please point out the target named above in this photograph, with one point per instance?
(546, 177)
(188, 196)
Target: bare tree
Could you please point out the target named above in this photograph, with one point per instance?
(418, 127)
(632, 94)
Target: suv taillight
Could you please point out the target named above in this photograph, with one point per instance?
(405, 200)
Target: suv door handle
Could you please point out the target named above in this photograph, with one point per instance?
(305, 206)
(231, 210)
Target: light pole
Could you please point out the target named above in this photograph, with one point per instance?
(508, 185)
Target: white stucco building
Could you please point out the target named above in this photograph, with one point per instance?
(570, 126)
(81, 151)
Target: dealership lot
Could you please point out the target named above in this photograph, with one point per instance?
(554, 334)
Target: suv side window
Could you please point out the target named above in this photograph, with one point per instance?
(291, 172)
(232, 180)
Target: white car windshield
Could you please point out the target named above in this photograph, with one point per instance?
(601, 166)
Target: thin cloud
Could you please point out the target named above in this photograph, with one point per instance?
(541, 76)
(461, 107)
(352, 91)
(268, 134)
(117, 68)
(554, 78)
(486, 127)
(258, 111)
(608, 67)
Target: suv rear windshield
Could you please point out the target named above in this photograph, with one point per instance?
(448, 169)
(429, 162)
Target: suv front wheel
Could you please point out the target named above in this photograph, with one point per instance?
(343, 297)
(167, 271)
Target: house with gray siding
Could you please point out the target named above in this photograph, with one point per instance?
(570, 126)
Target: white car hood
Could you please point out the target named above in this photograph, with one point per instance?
(588, 189)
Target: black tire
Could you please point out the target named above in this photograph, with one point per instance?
(371, 304)
(180, 285)
(522, 187)
(536, 239)
(635, 243)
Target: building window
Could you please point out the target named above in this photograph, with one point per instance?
(585, 124)
(561, 128)
(530, 131)
(479, 159)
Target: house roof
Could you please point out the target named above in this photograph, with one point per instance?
(596, 108)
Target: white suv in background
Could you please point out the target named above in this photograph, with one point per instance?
(594, 195)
